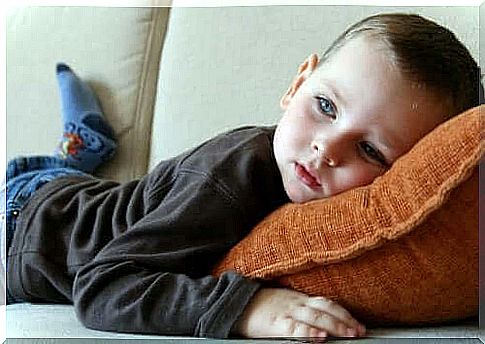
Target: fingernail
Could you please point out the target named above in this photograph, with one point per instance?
(361, 329)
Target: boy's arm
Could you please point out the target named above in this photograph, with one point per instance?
(160, 303)
(154, 278)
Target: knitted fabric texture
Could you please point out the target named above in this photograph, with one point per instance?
(402, 250)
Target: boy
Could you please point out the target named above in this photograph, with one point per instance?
(136, 257)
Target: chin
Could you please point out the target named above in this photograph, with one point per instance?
(298, 196)
(297, 199)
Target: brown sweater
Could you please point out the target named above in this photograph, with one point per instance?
(136, 257)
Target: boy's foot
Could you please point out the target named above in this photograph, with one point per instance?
(88, 140)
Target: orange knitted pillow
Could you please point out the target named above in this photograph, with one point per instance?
(403, 250)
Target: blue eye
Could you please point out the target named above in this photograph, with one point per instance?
(326, 107)
(373, 154)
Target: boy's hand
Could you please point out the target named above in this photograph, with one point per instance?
(287, 313)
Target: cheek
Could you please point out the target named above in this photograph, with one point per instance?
(356, 175)
(301, 111)
(299, 121)
(291, 132)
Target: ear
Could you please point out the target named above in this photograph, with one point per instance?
(304, 71)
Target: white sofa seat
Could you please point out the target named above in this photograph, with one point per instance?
(33, 321)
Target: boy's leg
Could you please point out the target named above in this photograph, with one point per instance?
(87, 140)
(24, 177)
(20, 165)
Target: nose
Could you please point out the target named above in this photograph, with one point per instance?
(326, 152)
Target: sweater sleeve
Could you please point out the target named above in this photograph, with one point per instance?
(154, 278)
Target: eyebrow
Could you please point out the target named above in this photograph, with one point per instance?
(391, 147)
(330, 84)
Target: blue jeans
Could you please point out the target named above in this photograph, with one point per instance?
(24, 176)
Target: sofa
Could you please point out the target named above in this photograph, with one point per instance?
(169, 77)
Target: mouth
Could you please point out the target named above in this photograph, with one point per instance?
(308, 177)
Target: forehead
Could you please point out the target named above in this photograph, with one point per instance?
(361, 57)
(360, 74)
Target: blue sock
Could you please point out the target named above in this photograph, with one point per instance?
(87, 140)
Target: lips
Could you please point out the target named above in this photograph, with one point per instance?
(307, 176)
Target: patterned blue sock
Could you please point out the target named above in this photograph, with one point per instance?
(87, 140)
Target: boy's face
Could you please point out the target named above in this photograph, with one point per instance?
(347, 121)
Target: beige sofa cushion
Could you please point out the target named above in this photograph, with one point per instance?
(229, 66)
(117, 50)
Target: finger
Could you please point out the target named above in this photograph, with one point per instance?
(298, 329)
(318, 333)
(337, 311)
(323, 321)
(301, 330)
